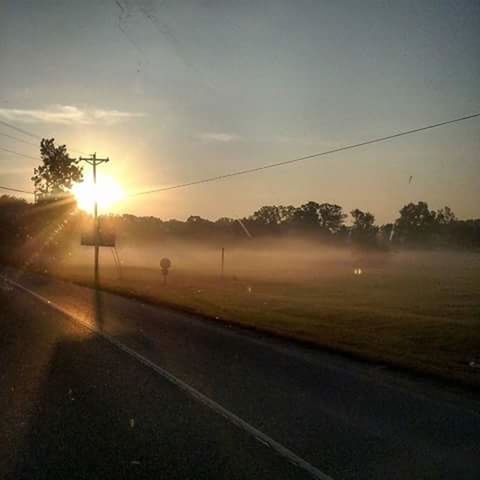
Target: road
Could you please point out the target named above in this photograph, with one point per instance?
(94, 385)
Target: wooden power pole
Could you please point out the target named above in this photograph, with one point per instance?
(94, 161)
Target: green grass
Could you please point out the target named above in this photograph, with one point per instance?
(418, 315)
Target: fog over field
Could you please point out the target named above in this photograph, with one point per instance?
(283, 260)
(263, 258)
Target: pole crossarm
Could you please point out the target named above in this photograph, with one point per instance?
(93, 160)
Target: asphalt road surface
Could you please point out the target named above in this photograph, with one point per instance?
(94, 385)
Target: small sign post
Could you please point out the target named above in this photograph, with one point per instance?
(165, 264)
(223, 261)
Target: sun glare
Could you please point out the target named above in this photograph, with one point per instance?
(107, 192)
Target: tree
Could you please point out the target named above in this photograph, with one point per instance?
(387, 232)
(362, 221)
(445, 216)
(416, 222)
(13, 229)
(363, 228)
(197, 220)
(58, 171)
(267, 215)
(327, 217)
(225, 222)
(445, 223)
(330, 217)
(273, 214)
(286, 213)
(307, 215)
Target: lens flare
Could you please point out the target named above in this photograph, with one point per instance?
(106, 192)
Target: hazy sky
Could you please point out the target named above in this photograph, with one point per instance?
(174, 91)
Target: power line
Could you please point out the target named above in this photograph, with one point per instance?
(18, 190)
(273, 165)
(18, 153)
(18, 139)
(30, 134)
(307, 157)
(25, 132)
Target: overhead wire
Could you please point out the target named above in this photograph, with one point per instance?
(19, 139)
(30, 134)
(18, 190)
(277, 164)
(14, 152)
(306, 157)
(18, 129)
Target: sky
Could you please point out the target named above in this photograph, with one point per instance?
(175, 91)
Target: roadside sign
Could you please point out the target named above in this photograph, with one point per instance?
(105, 239)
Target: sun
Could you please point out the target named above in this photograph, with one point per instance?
(107, 192)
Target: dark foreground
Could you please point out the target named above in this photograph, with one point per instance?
(72, 405)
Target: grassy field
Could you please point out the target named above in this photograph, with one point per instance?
(419, 311)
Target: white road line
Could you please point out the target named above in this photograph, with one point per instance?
(216, 407)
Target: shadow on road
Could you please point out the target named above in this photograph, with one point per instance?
(100, 415)
(81, 427)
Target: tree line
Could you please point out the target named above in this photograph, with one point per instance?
(53, 219)
(416, 226)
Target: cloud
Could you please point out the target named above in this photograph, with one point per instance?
(67, 115)
(218, 137)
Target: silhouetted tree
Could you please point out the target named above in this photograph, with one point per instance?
(197, 220)
(267, 215)
(326, 217)
(363, 228)
(330, 217)
(287, 213)
(362, 221)
(416, 223)
(272, 215)
(12, 225)
(306, 216)
(225, 221)
(387, 232)
(445, 220)
(57, 173)
(466, 233)
(445, 216)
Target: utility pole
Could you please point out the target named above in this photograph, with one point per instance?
(94, 161)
